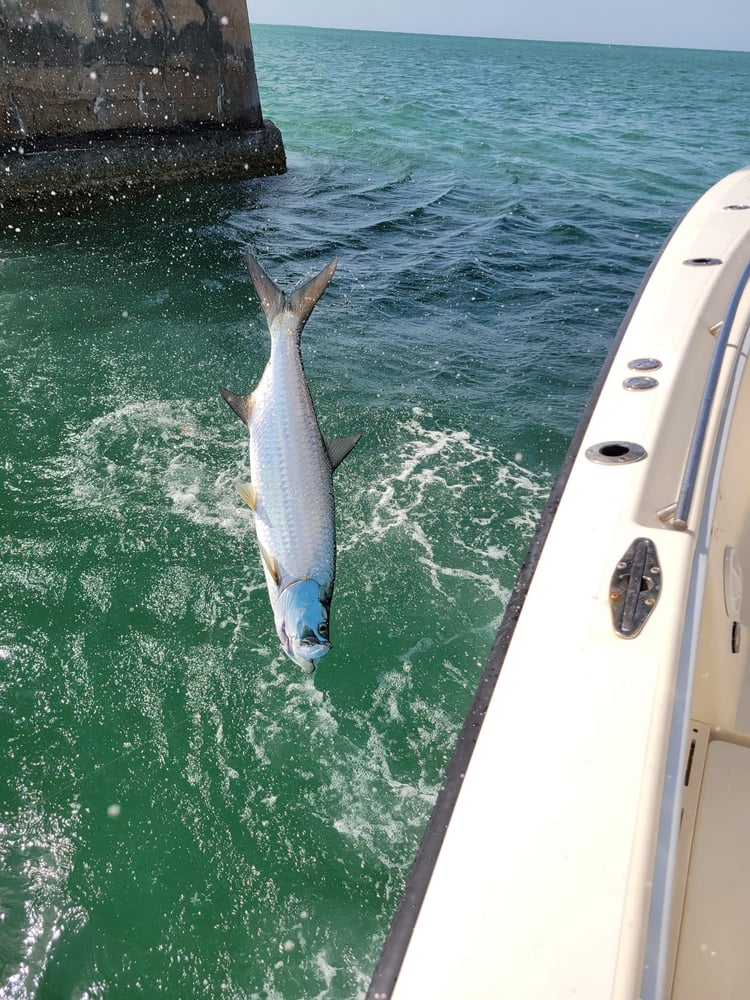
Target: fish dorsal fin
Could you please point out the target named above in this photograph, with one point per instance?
(272, 299)
(339, 448)
(242, 405)
(270, 563)
(249, 494)
(302, 300)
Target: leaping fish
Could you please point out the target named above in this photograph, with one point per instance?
(291, 472)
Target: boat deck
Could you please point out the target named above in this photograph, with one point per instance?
(712, 880)
(713, 959)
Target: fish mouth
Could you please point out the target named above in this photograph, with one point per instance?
(309, 653)
(314, 650)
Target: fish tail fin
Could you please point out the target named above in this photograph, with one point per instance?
(300, 303)
(271, 296)
(302, 300)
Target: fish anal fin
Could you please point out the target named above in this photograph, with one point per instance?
(242, 405)
(339, 448)
(249, 494)
(270, 563)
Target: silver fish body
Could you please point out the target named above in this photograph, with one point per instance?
(291, 471)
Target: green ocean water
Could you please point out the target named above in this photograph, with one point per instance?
(183, 812)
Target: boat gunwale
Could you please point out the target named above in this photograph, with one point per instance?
(658, 963)
(404, 921)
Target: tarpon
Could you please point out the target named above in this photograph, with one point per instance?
(291, 472)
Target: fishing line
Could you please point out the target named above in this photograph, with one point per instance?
(98, 768)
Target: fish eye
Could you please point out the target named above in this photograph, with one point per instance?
(323, 628)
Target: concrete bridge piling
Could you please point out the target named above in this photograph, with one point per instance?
(101, 98)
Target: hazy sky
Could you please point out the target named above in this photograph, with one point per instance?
(704, 24)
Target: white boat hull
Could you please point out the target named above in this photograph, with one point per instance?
(553, 868)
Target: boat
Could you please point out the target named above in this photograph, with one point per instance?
(591, 836)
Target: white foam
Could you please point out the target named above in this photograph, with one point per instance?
(443, 491)
(153, 448)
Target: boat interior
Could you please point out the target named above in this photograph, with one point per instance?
(708, 951)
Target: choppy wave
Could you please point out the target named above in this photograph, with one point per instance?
(37, 854)
(271, 774)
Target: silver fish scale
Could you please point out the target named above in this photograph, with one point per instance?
(289, 464)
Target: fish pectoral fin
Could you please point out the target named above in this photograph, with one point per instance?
(270, 563)
(339, 448)
(242, 405)
(249, 494)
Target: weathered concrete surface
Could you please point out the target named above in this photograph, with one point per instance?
(107, 166)
(170, 85)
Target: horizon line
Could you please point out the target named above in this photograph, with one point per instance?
(504, 38)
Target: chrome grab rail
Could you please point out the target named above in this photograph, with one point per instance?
(687, 488)
(658, 965)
